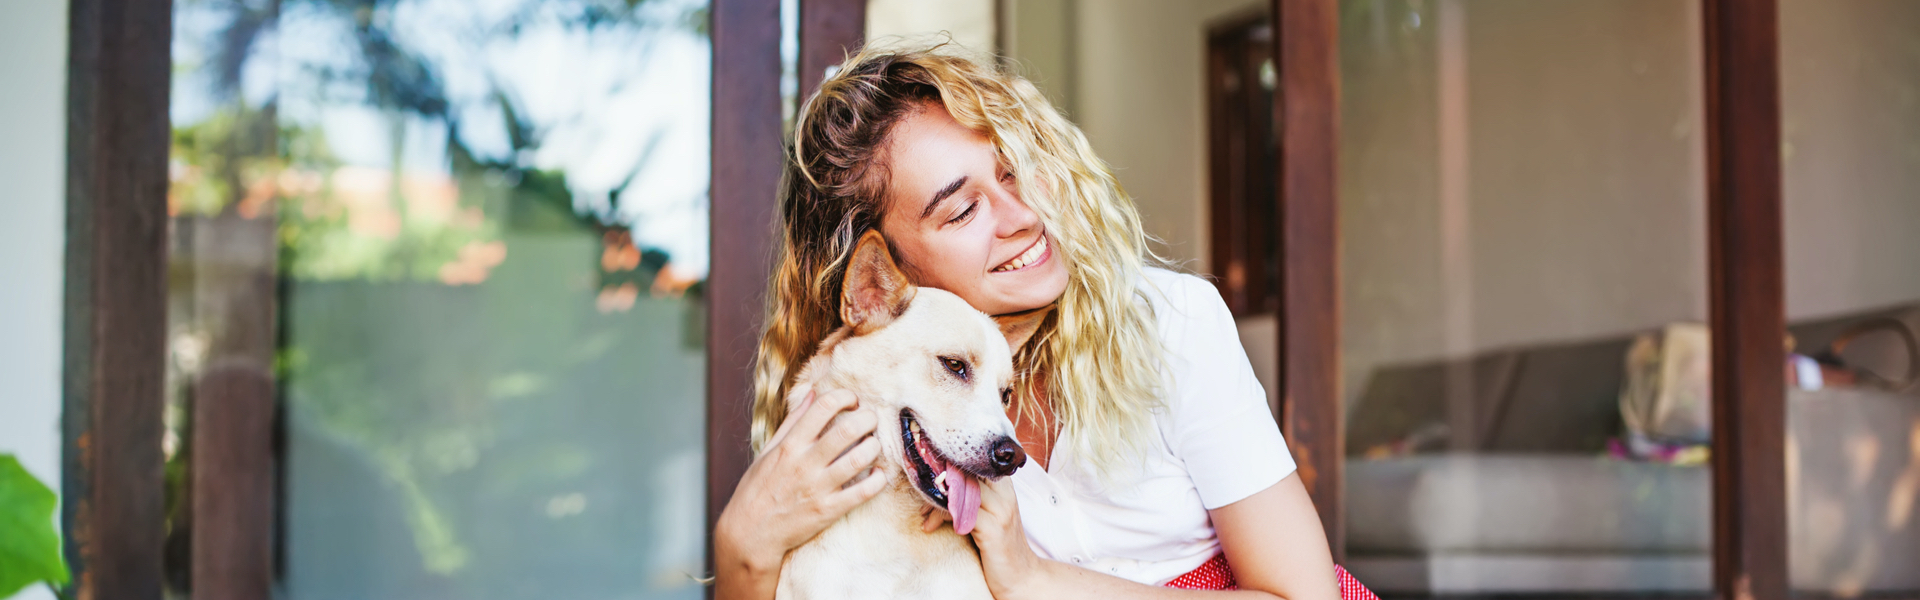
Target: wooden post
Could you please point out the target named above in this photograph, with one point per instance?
(746, 177)
(1306, 49)
(829, 30)
(1746, 295)
(116, 318)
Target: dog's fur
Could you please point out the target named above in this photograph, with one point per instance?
(897, 352)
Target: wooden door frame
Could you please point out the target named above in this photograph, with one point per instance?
(1746, 277)
(746, 178)
(115, 311)
(1306, 43)
(1746, 298)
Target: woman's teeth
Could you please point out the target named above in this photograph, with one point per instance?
(1025, 258)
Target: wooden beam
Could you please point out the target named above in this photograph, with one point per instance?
(116, 318)
(1306, 48)
(829, 31)
(1747, 299)
(746, 176)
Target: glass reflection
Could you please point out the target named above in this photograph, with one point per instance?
(468, 240)
(1850, 103)
(1523, 278)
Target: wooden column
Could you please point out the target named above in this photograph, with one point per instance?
(1306, 48)
(1746, 295)
(829, 30)
(746, 176)
(116, 318)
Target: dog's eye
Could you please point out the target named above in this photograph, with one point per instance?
(1006, 398)
(955, 366)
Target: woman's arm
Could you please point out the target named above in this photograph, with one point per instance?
(809, 476)
(1272, 539)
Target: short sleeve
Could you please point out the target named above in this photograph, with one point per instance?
(1222, 429)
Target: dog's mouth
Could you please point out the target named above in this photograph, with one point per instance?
(938, 478)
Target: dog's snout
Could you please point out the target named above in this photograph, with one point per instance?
(1008, 456)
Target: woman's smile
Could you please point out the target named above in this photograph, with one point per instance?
(1035, 255)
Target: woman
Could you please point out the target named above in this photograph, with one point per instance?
(1153, 457)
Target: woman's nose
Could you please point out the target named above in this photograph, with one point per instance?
(1015, 217)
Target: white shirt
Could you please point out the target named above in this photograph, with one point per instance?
(1217, 443)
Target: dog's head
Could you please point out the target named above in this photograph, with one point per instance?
(938, 373)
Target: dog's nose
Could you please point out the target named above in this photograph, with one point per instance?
(1008, 456)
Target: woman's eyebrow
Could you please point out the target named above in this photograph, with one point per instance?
(943, 194)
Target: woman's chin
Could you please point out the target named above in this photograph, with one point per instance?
(1025, 290)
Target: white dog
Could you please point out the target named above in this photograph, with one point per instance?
(938, 374)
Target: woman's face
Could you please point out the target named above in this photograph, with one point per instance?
(955, 214)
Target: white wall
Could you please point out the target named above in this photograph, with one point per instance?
(1135, 74)
(1850, 87)
(33, 37)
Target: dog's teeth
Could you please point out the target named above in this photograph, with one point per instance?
(940, 481)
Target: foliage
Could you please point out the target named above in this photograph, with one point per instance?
(29, 546)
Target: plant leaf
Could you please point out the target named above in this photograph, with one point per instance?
(29, 546)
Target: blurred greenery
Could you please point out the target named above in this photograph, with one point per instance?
(29, 545)
(420, 340)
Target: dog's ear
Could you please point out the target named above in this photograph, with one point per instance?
(1020, 326)
(874, 291)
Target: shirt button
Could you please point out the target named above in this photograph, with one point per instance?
(1054, 499)
(1078, 560)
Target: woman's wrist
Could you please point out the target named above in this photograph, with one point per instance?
(1027, 577)
(740, 556)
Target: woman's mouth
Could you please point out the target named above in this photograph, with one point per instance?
(1035, 254)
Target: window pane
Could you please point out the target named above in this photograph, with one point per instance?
(467, 241)
(1523, 262)
(1850, 86)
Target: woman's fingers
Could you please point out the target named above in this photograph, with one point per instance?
(825, 406)
(844, 432)
(805, 391)
(857, 493)
(932, 518)
(860, 458)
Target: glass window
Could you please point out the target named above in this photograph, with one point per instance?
(467, 242)
(1523, 269)
(1850, 103)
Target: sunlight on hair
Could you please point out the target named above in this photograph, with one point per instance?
(1097, 358)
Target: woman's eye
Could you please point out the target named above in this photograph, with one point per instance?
(964, 214)
(955, 366)
(1008, 176)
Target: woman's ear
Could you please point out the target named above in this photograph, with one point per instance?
(874, 291)
(1019, 327)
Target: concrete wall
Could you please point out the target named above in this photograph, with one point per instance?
(33, 37)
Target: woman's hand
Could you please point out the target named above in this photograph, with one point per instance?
(1008, 561)
(814, 470)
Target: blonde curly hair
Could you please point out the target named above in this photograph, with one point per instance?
(1097, 357)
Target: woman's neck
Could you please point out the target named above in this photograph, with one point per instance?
(1037, 429)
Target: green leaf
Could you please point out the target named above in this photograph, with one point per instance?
(29, 546)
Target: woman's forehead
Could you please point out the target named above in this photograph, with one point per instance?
(929, 151)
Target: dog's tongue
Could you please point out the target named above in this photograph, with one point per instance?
(963, 499)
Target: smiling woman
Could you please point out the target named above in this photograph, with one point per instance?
(991, 248)
(1153, 451)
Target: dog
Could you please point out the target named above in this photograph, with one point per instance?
(938, 374)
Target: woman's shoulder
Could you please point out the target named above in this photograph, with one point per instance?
(1183, 304)
(1178, 292)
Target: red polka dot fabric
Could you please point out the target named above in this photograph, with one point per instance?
(1216, 575)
